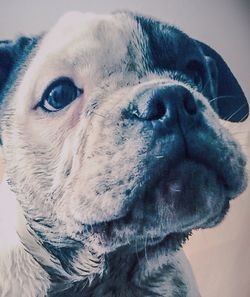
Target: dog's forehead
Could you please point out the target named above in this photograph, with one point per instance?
(113, 37)
(89, 35)
(88, 27)
(86, 46)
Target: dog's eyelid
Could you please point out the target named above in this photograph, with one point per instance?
(58, 94)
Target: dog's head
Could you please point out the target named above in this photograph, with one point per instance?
(111, 130)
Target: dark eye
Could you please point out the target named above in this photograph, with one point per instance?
(196, 72)
(59, 94)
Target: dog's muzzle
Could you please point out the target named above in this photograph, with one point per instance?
(172, 110)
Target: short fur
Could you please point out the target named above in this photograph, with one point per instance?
(109, 187)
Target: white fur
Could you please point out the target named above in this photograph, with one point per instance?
(20, 274)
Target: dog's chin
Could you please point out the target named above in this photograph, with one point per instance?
(137, 243)
(189, 197)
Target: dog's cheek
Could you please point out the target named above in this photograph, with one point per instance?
(99, 161)
(104, 173)
(33, 151)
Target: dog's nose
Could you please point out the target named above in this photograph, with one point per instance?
(165, 104)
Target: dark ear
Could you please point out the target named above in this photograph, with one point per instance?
(12, 54)
(231, 102)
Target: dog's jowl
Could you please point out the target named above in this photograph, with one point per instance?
(112, 130)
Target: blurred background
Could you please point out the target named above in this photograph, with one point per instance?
(220, 257)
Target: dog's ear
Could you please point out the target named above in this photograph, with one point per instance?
(12, 54)
(231, 103)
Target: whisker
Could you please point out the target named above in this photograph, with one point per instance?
(145, 248)
(238, 110)
(220, 97)
(136, 251)
(239, 132)
(205, 86)
(244, 118)
(100, 115)
(245, 145)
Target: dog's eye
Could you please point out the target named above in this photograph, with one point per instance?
(196, 73)
(59, 94)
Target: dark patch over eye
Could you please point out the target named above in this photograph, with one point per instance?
(195, 72)
(59, 94)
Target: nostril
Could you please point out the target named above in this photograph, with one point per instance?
(150, 109)
(189, 104)
(163, 103)
(159, 110)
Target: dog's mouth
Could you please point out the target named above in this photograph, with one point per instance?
(189, 197)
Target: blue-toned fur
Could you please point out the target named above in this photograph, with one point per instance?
(13, 55)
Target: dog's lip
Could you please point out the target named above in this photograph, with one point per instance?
(114, 230)
(170, 185)
(171, 182)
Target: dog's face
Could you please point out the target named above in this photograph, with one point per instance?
(111, 130)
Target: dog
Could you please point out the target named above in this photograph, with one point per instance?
(112, 131)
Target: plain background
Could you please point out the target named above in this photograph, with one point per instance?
(221, 256)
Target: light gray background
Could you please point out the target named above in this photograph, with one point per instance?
(221, 256)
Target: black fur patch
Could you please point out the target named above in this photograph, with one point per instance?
(169, 49)
(13, 55)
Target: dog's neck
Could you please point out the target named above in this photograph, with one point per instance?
(21, 254)
(20, 273)
(44, 274)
